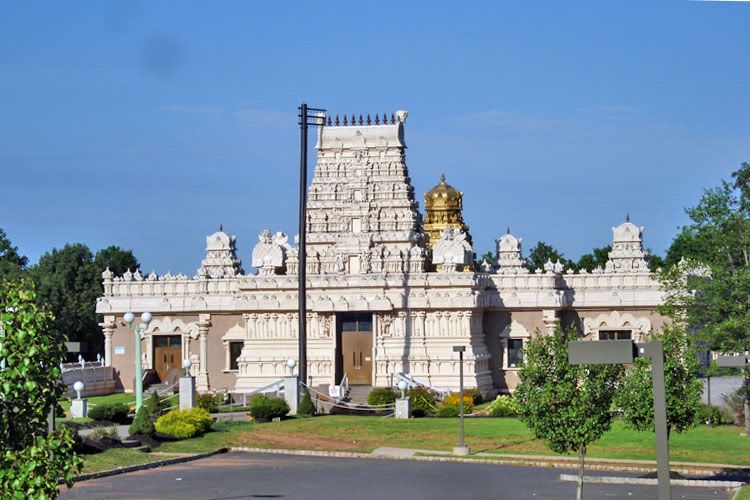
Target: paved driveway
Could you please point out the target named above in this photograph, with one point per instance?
(246, 476)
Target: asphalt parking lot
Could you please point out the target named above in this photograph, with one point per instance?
(246, 476)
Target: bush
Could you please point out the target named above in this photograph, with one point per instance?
(450, 407)
(142, 424)
(381, 396)
(101, 433)
(184, 424)
(306, 407)
(209, 402)
(475, 393)
(503, 406)
(713, 415)
(423, 401)
(116, 413)
(264, 408)
(736, 404)
(154, 405)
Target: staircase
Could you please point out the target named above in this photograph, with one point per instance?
(358, 394)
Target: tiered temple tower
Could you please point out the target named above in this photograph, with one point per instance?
(361, 213)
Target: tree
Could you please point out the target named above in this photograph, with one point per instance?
(68, 284)
(567, 406)
(597, 258)
(12, 264)
(542, 252)
(32, 462)
(116, 259)
(708, 283)
(683, 390)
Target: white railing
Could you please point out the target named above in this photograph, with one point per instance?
(277, 387)
(412, 381)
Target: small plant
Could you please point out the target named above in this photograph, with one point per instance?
(263, 408)
(423, 401)
(713, 415)
(450, 406)
(475, 393)
(306, 407)
(209, 402)
(154, 405)
(101, 433)
(381, 396)
(736, 404)
(184, 424)
(142, 424)
(117, 413)
(503, 406)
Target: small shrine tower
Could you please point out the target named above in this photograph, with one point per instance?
(443, 205)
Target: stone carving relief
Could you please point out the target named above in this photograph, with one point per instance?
(270, 253)
(452, 252)
(509, 259)
(617, 321)
(627, 255)
(221, 257)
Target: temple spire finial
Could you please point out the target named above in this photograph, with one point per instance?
(221, 227)
(627, 217)
(442, 177)
(507, 229)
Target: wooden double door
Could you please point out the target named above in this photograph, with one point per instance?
(356, 348)
(167, 354)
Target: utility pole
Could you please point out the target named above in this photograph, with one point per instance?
(317, 118)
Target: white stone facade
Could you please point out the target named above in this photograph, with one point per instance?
(367, 255)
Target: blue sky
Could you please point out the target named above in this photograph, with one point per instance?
(148, 124)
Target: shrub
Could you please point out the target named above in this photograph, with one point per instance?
(101, 433)
(423, 401)
(475, 393)
(736, 404)
(503, 406)
(116, 413)
(142, 424)
(184, 424)
(713, 415)
(450, 407)
(306, 406)
(154, 405)
(209, 402)
(264, 408)
(381, 396)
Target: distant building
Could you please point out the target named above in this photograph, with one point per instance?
(388, 291)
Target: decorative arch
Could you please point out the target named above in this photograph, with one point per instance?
(167, 326)
(237, 333)
(512, 331)
(617, 321)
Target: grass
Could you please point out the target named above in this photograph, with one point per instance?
(743, 494)
(722, 444)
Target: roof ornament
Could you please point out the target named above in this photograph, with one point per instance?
(221, 227)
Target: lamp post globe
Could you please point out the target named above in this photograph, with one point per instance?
(128, 317)
(186, 364)
(146, 317)
(291, 363)
(78, 387)
(402, 387)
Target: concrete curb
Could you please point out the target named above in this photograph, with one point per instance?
(551, 464)
(150, 465)
(698, 483)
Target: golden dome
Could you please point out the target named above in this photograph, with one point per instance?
(443, 196)
(443, 205)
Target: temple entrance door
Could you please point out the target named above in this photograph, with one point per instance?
(356, 348)
(167, 354)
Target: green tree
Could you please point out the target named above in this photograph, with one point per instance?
(12, 264)
(597, 258)
(683, 390)
(68, 284)
(708, 283)
(542, 252)
(567, 406)
(116, 259)
(32, 462)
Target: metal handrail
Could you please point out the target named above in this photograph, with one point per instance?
(413, 382)
(275, 386)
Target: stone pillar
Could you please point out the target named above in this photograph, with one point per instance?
(204, 323)
(291, 393)
(79, 408)
(403, 407)
(187, 393)
(550, 319)
(108, 329)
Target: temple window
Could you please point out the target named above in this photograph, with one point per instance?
(515, 353)
(235, 349)
(615, 335)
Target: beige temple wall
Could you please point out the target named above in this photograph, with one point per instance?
(218, 378)
(124, 365)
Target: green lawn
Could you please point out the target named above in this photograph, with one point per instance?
(348, 433)
(744, 494)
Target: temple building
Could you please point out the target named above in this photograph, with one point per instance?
(390, 291)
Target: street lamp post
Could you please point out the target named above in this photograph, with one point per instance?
(613, 352)
(315, 117)
(138, 330)
(461, 449)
